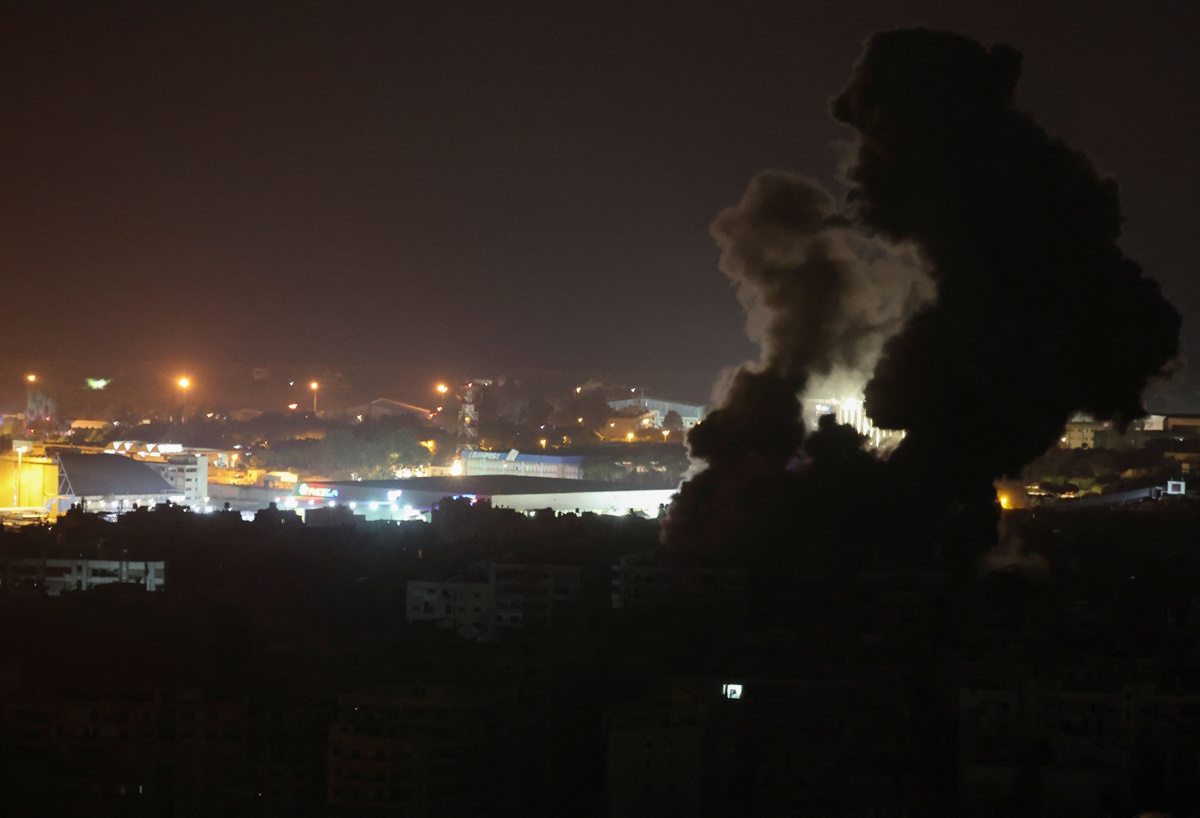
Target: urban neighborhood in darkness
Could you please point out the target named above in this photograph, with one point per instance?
(471, 411)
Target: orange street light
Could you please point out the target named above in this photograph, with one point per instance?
(183, 384)
(442, 388)
(666, 433)
(314, 386)
(629, 437)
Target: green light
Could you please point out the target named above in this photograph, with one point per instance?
(98, 383)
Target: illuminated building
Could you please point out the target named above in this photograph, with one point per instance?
(28, 482)
(1080, 432)
(188, 476)
(416, 498)
(522, 465)
(689, 413)
(628, 427)
(849, 412)
(109, 482)
(184, 468)
(386, 408)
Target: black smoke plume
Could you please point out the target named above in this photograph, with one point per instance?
(1037, 315)
(820, 300)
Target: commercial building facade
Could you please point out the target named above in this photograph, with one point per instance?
(188, 476)
(517, 463)
(417, 497)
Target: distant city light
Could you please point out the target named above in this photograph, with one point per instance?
(441, 387)
(292, 405)
(184, 383)
(92, 383)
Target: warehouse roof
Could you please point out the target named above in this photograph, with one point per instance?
(109, 475)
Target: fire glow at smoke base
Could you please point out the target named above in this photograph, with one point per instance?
(1037, 313)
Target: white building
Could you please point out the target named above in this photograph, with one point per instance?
(188, 476)
(689, 413)
(563, 467)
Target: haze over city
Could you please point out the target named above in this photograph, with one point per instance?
(481, 410)
(484, 189)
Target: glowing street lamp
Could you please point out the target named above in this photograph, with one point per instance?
(184, 384)
(314, 386)
(629, 437)
(442, 388)
(666, 434)
(30, 380)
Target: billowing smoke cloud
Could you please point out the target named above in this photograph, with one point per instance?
(820, 297)
(1037, 314)
(820, 300)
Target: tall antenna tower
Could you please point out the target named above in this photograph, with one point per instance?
(468, 418)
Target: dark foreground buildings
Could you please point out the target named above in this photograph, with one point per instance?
(505, 665)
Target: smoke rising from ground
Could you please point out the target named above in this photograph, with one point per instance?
(1037, 312)
(820, 297)
(820, 300)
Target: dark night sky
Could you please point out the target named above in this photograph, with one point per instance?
(492, 184)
